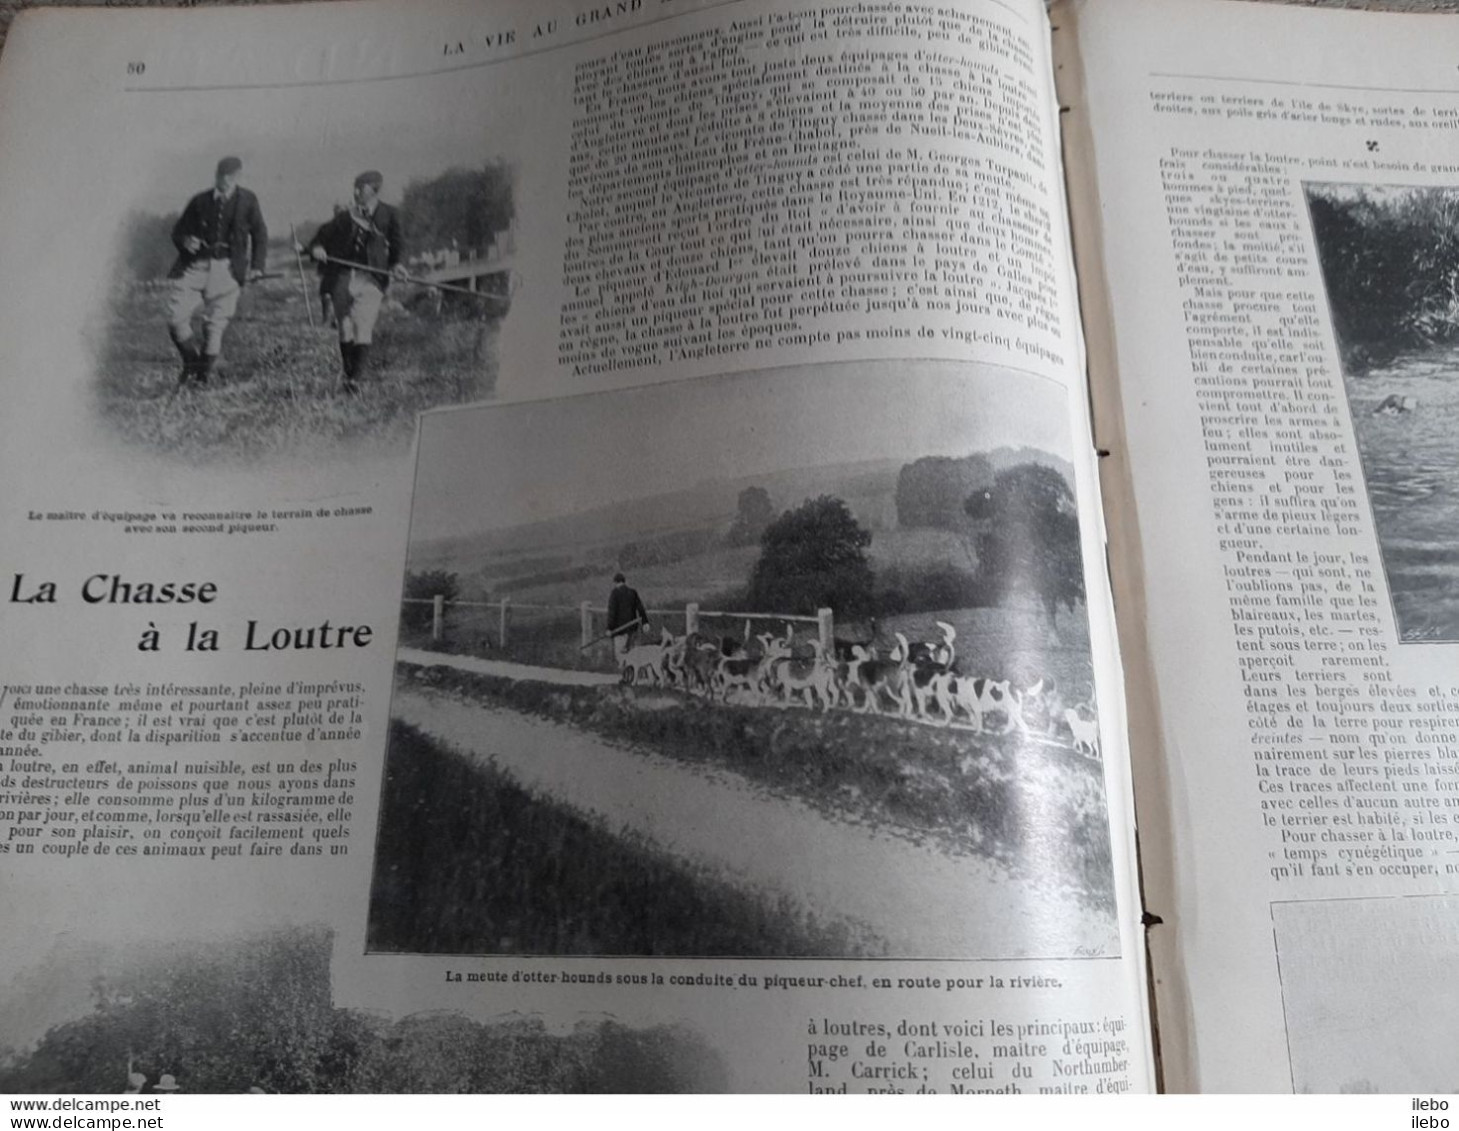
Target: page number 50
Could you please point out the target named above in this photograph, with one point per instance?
(136, 68)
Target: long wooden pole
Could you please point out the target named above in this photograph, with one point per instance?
(303, 279)
(619, 631)
(412, 278)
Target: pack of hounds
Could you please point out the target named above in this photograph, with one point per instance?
(919, 681)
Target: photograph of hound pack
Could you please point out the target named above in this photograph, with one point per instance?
(650, 663)
(859, 725)
(918, 681)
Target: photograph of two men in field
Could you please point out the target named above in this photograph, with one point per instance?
(789, 663)
(277, 301)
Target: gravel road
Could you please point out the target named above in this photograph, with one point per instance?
(917, 901)
(505, 668)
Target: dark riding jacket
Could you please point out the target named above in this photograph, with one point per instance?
(231, 229)
(624, 607)
(378, 246)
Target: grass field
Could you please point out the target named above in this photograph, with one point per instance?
(695, 578)
(674, 583)
(277, 389)
(467, 862)
(1036, 809)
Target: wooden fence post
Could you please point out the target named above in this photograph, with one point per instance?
(585, 614)
(502, 622)
(826, 629)
(691, 618)
(438, 615)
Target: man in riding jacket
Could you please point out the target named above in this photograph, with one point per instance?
(626, 615)
(221, 243)
(360, 250)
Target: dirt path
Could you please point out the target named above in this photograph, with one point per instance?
(505, 668)
(918, 901)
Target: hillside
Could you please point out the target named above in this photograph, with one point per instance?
(597, 537)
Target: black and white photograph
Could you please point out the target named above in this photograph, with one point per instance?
(1390, 260)
(254, 1013)
(1368, 993)
(791, 663)
(271, 298)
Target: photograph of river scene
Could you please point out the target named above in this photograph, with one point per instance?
(1390, 260)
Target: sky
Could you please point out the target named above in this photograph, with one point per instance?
(300, 183)
(493, 467)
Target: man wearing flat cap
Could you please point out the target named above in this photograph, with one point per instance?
(361, 250)
(221, 243)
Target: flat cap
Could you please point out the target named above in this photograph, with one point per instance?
(370, 177)
(229, 165)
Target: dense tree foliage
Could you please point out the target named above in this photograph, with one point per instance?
(931, 490)
(929, 585)
(461, 207)
(256, 1012)
(811, 557)
(753, 514)
(1031, 541)
(220, 1018)
(1391, 263)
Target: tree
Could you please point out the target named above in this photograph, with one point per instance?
(650, 1061)
(461, 207)
(1032, 540)
(220, 1017)
(811, 557)
(754, 514)
(1390, 259)
(257, 1011)
(930, 491)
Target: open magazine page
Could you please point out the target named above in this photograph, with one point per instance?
(1277, 241)
(748, 720)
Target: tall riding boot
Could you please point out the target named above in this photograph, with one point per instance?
(347, 364)
(207, 364)
(190, 361)
(362, 361)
